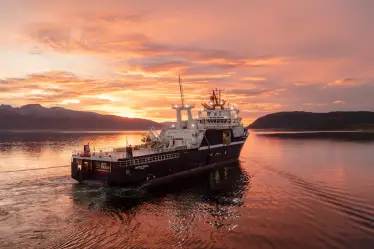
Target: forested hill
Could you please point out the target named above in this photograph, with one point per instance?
(315, 121)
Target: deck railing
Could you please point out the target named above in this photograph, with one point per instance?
(119, 152)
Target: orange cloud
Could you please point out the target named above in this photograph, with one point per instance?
(348, 82)
(253, 79)
(152, 99)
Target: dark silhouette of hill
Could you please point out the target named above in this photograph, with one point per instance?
(37, 117)
(315, 121)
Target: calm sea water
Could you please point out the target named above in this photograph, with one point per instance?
(283, 193)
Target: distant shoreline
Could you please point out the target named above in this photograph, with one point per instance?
(137, 130)
(70, 131)
(313, 130)
(359, 136)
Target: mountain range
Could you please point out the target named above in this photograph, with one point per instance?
(37, 117)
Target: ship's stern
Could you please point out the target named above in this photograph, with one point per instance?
(91, 169)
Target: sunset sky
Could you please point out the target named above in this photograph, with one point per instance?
(123, 57)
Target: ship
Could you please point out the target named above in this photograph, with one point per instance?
(214, 138)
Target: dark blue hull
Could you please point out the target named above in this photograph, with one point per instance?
(156, 167)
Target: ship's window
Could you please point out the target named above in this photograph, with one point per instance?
(79, 164)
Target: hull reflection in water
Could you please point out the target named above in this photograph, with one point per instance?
(162, 216)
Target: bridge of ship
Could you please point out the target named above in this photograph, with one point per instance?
(218, 118)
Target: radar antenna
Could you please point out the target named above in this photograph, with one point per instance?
(181, 90)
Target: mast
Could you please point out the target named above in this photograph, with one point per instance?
(181, 90)
(215, 100)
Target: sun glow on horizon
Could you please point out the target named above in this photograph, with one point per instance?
(127, 114)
